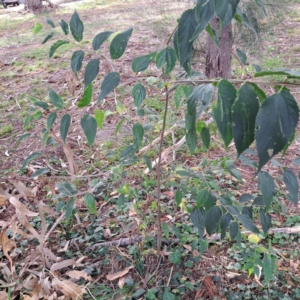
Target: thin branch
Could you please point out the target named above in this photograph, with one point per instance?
(158, 169)
(203, 81)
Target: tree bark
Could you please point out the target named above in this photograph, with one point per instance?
(33, 4)
(218, 61)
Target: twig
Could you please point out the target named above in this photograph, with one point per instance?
(53, 226)
(215, 237)
(170, 276)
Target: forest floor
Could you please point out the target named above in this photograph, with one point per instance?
(188, 268)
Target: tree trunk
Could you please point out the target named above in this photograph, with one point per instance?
(33, 4)
(218, 61)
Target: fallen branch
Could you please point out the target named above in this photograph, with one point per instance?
(170, 130)
(166, 152)
(215, 237)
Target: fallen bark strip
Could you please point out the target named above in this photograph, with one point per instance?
(215, 237)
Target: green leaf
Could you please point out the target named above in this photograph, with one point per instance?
(292, 184)
(55, 99)
(267, 187)
(100, 38)
(225, 10)
(48, 37)
(138, 133)
(64, 26)
(39, 172)
(100, 117)
(119, 125)
(212, 35)
(261, 5)
(297, 161)
(165, 229)
(49, 22)
(76, 60)
(166, 58)
(91, 71)
(69, 208)
(276, 122)
(247, 223)
(257, 68)
(175, 258)
(178, 197)
(279, 71)
(204, 12)
(168, 296)
(56, 45)
(110, 82)
(89, 126)
(119, 43)
(245, 19)
(244, 112)
(224, 223)
(236, 173)
(90, 203)
(138, 94)
(265, 219)
(66, 189)
(64, 126)
(198, 219)
(242, 56)
(51, 119)
(21, 138)
(233, 230)
(268, 267)
(87, 96)
(259, 92)
(37, 27)
(200, 99)
(205, 137)
(186, 29)
(245, 198)
(76, 27)
(141, 63)
(148, 163)
(212, 219)
(222, 110)
(30, 158)
(42, 104)
(247, 211)
(202, 197)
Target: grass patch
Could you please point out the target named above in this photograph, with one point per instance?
(5, 130)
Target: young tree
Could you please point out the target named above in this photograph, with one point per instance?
(218, 59)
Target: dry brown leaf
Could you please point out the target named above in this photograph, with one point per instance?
(3, 200)
(22, 188)
(79, 274)
(62, 264)
(65, 248)
(3, 296)
(7, 245)
(3, 224)
(30, 282)
(21, 207)
(118, 274)
(294, 265)
(4, 192)
(107, 233)
(26, 297)
(69, 288)
(121, 281)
